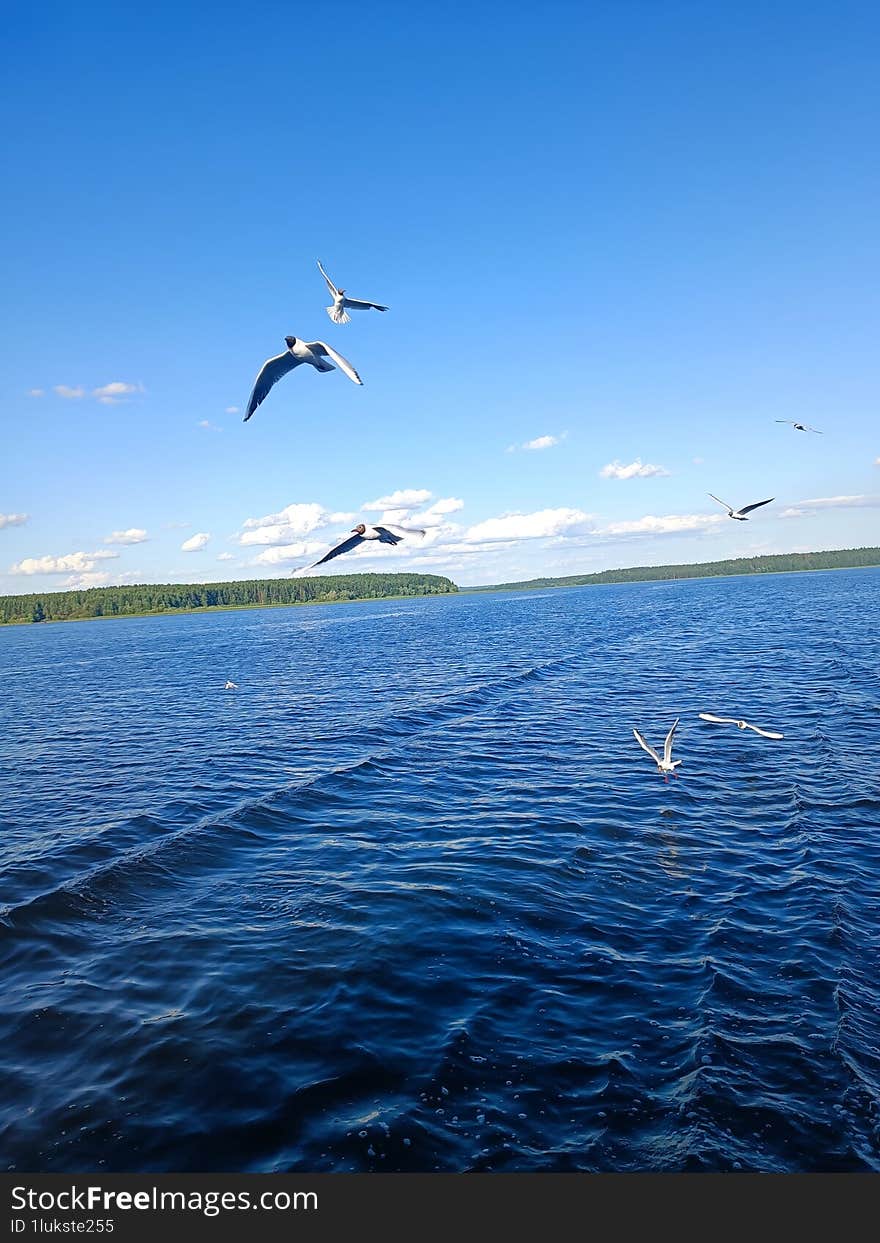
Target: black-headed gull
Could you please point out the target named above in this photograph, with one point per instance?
(361, 533)
(732, 720)
(801, 427)
(231, 686)
(667, 764)
(740, 514)
(341, 304)
(315, 353)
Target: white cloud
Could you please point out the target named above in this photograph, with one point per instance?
(540, 442)
(70, 394)
(635, 470)
(70, 563)
(13, 520)
(97, 578)
(543, 523)
(134, 535)
(115, 392)
(698, 461)
(288, 553)
(208, 426)
(195, 543)
(231, 410)
(36, 392)
(877, 461)
(225, 556)
(286, 525)
(175, 526)
(803, 509)
(404, 498)
(667, 524)
(434, 515)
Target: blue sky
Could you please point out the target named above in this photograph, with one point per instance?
(643, 231)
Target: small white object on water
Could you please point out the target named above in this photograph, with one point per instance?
(231, 686)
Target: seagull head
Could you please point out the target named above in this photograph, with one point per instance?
(341, 292)
(360, 529)
(291, 342)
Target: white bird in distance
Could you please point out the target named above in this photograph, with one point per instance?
(341, 304)
(667, 764)
(801, 427)
(732, 720)
(315, 353)
(740, 514)
(361, 533)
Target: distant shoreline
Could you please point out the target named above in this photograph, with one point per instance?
(776, 563)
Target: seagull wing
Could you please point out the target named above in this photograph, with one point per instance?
(667, 746)
(270, 373)
(719, 720)
(720, 502)
(346, 546)
(646, 747)
(790, 422)
(807, 428)
(355, 304)
(334, 292)
(765, 733)
(321, 347)
(747, 509)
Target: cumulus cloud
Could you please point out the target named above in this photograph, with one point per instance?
(541, 524)
(634, 470)
(231, 410)
(70, 563)
(287, 524)
(36, 392)
(195, 543)
(803, 509)
(115, 392)
(225, 556)
(404, 499)
(70, 394)
(13, 520)
(436, 513)
(877, 461)
(134, 535)
(288, 553)
(96, 578)
(208, 426)
(668, 524)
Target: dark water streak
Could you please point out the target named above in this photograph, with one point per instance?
(413, 899)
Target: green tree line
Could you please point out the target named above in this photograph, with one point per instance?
(184, 597)
(780, 563)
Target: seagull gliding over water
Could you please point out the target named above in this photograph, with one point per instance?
(315, 353)
(732, 720)
(341, 304)
(360, 533)
(667, 765)
(740, 514)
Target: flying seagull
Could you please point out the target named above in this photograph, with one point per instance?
(667, 765)
(360, 534)
(731, 720)
(801, 427)
(231, 686)
(740, 514)
(315, 353)
(341, 304)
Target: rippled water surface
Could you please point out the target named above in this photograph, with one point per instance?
(412, 898)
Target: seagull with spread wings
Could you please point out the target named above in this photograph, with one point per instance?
(667, 764)
(801, 427)
(338, 312)
(361, 533)
(732, 720)
(315, 353)
(740, 514)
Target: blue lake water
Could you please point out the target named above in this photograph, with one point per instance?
(412, 898)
